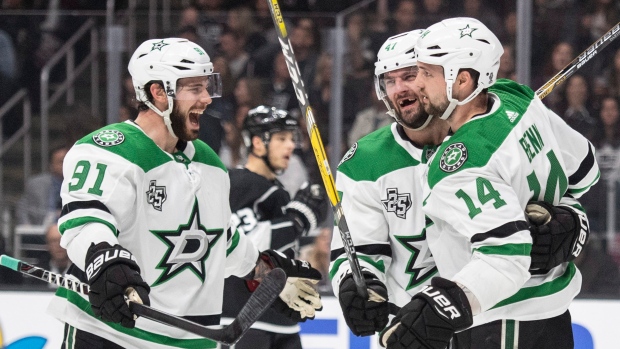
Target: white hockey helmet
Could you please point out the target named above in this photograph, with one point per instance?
(166, 61)
(397, 52)
(460, 43)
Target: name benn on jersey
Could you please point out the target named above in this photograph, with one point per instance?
(156, 195)
(188, 248)
(397, 203)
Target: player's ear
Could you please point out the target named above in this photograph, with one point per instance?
(158, 93)
(259, 146)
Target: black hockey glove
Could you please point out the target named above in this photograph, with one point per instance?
(110, 271)
(430, 319)
(363, 316)
(308, 208)
(559, 234)
(299, 300)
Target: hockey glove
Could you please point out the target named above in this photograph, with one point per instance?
(308, 208)
(559, 234)
(363, 316)
(299, 300)
(110, 271)
(430, 319)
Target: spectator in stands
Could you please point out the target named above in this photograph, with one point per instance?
(509, 34)
(248, 93)
(507, 63)
(40, 202)
(609, 132)
(612, 74)
(241, 21)
(479, 10)
(578, 113)
(281, 93)
(600, 16)
(433, 11)
(231, 47)
(304, 44)
(319, 92)
(562, 54)
(58, 261)
(600, 274)
(369, 119)
(607, 144)
(318, 256)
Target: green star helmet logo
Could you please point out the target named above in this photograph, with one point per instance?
(158, 45)
(467, 31)
(453, 157)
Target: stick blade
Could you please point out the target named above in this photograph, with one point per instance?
(262, 298)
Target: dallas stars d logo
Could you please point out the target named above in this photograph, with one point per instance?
(467, 31)
(453, 157)
(188, 248)
(158, 45)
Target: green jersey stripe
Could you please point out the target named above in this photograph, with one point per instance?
(377, 264)
(542, 290)
(83, 305)
(507, 249)
(76, 222)
(233, 243)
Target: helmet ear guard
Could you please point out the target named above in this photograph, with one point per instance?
(461, 43)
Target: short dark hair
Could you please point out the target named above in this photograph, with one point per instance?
(147, 90)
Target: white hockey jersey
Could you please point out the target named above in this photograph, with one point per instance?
(171, 211)
(379, 182)
(476, 189)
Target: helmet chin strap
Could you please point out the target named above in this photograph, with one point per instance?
(454, 102)
(165, 114)
(265, 159)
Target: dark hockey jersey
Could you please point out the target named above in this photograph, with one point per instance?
(258, 211)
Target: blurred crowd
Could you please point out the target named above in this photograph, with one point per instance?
(241, 40)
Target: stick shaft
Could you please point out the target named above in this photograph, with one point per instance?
(317, 147)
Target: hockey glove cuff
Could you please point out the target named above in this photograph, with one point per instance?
(300, 296)
(430, 319)
(364, 316)
(111, 270)
(559, 234)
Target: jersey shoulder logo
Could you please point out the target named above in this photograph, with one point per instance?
(108, 138)
(453, 157)
(156, 195)
(349, 154)
(397, 203)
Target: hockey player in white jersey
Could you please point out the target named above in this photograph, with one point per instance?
(505, 149)
(379, 181)
(145, 205)
(264, 212)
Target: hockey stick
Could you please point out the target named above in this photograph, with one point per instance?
(267, 292)
(317, 147)
(584, 57)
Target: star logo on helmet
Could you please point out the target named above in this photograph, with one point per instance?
(158, 45)
(467, 31)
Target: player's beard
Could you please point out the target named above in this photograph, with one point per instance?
(436, 108)
(179, 127)
(410, 118)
